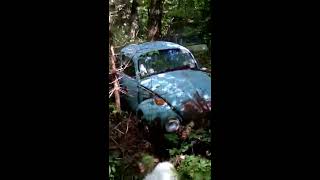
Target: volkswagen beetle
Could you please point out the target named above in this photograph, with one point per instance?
(164, 85)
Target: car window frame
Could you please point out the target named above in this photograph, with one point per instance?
(138, 61)
(131, 65)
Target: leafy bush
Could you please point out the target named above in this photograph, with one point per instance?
(181, 147)
(177, 151)
(203, 135)
(191, 166)
(114, 164)
(148, 162)
(203, 58)
(195, 168)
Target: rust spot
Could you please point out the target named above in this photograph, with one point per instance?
(196, 109)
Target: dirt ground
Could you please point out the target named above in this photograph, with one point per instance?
(128, 143)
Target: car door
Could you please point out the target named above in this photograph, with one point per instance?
(129, 85)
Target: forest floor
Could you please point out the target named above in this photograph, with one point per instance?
(131, 155)
(126, 145)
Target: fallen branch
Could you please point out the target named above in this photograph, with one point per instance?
(117, 125)
(119, 130)
(127, 126)
(115, 142)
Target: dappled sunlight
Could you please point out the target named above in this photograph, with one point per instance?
(182, 84)
(163, 60)
(162, 87)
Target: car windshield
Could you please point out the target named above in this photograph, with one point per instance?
(156, 62)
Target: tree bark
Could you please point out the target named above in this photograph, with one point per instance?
(134, 19)
(116, 85)
(112, 60)
(154, 22)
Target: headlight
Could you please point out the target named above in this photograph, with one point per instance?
(172, 125)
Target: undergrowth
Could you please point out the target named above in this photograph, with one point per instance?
(191, 157)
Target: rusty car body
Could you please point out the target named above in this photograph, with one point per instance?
(164, 85)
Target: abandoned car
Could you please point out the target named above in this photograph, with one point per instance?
(164, 85)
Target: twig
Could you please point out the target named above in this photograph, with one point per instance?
(122, 68)
(111, 92)
(115, 142)
(116, 80)
(127, 126)
(113, 147)
(125, 66)
(119, 130)
(118, 145)
(117, 125)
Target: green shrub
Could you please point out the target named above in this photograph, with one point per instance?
(203, 58)
(195, 168)
(114, 165)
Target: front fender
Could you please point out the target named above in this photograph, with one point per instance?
(151, 111)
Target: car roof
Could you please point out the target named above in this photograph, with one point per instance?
(135, 50)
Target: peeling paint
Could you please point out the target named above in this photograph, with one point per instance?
(186, 91)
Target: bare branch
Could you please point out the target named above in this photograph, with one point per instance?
(116, 80)
(127, 126)
(111, 93)
(119, 131)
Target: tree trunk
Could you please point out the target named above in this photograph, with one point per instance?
(116, 85)
(134, 19)
(154, 22)
(112, 60)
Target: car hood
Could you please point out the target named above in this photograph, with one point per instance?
(189, 91)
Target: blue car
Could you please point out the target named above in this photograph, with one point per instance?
(164, 85)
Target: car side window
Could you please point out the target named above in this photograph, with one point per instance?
(128, 65)
(130, 71)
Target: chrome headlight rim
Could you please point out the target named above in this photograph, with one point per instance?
(172, 125)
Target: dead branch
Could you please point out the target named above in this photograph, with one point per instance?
(127, 126)
(119, 131)
(115, 91)
(116, 80)
(115, 142)
(117, 125)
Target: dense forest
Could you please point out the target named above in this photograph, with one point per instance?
(185, 22)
